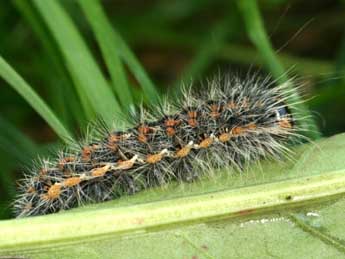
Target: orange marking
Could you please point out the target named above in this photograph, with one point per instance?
(64, 161)
(224, 137)
(114, 139)
(193, 123)
(214, 111)
(285, 123)
(144, 129)
(53, 192)
(98, 172)
(171, 122)
(152, 159)
(206, 142)
(237, 130)
(252, 126)
(192, 115)
(170, 131)
(86, 153)
(184, 151)
(69, 182)
(117, 137)
(232, 105)
(142, 138)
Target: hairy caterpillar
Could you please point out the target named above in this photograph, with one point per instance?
(231, 122)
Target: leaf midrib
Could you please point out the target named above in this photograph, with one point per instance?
(112, 221)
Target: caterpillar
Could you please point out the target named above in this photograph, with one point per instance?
(230, 122)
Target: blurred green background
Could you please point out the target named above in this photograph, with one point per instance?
(66, 50)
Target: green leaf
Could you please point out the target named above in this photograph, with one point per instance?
(266, 211)
(149, 89)
(110, 50)
(26, 91)
(108, 39)
(60, 89)
(91, 84)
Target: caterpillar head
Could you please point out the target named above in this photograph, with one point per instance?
(283, 117)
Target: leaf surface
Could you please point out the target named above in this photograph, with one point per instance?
(275, 209)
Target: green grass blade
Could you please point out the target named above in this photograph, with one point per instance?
(256, 32)
(104, 34)
(83, 68)
(61, 87)
(149, 90)
(26, 91)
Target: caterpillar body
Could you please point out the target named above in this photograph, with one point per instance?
(230, 123)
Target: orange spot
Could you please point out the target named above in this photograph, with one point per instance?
(142, 138)
(144, 129)
(193, 123)
(224, 137)
(53, 192)
(98, 172)
(285, 123)
(237, 130)
(170, 131)
(152, 159)
(64, 161)
(114, 139)
(69, 182)
(206, 142)
(215, 111)
(86, 154)
(192, 115)
(69, 159)
(171, 122)
(183, 151)
(232, 105)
